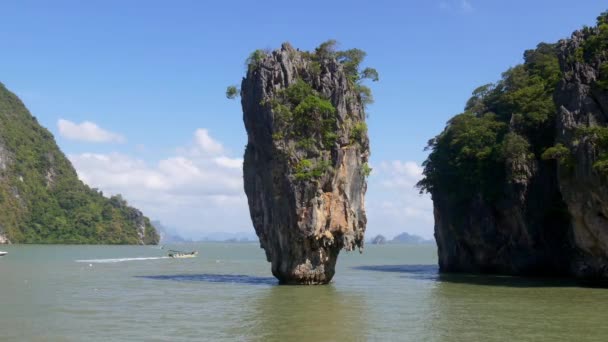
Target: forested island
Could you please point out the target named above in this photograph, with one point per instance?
(519, 180)
(41, 198)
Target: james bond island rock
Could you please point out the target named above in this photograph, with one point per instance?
(305, 164)
(41, 198)
(519, 181)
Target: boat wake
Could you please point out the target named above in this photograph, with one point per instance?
(106, 261)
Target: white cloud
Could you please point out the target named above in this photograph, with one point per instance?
(232, 163)
(400, 174)
(195, 193)
(206, 143)
(87, 131)
(199, 189)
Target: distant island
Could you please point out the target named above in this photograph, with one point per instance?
(171, 236)
(41, 198)
(403, 238)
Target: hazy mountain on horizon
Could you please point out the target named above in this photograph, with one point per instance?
(413, 239)
(170, 235)
(403, 238)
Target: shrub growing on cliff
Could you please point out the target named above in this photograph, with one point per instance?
(366, 170)
(598, 137)
(558, 152)
(351, 61)
(232, 92)
(254, 59)
(326, 50)
(305, 169)
(358, 132)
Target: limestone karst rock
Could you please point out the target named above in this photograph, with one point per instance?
(520, 180)
(305, 164)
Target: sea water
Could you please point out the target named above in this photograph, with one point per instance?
(227, 293)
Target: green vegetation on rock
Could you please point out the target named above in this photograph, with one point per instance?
(305, 119)
(366, 169)
(506, 121)
(597, 136)
(306, 169)
(358, 132)
(512, 121)
(41, 198)
(596, 40)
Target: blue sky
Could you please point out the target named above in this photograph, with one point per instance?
(150, 76)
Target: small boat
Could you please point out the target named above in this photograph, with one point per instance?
(181, 254)
(3, 253)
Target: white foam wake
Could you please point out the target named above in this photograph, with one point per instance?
(105, 261)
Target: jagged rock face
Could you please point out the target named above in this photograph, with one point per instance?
(4, 239)
(303, 213)
(518, 235)
(582, 103)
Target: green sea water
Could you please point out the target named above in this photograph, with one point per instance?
(388, 293)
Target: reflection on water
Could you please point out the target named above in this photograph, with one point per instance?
(516, 309)
(470, 307)
(421, 272)
(431, 272)
(216, 278)
(307, 313)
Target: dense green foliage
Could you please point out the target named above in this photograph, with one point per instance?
(502, 122)
(509, 123)
(596, 41)
(302, 114)
(41, 198)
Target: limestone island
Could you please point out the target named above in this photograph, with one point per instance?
(519, 181)
(305, 164)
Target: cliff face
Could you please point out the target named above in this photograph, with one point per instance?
(305, 162)
(582, 103)
(41, 198)
(519, 180)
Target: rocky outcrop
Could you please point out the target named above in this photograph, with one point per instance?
(532, 198)
(583, 103)
(305, 162)
(4, 239)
